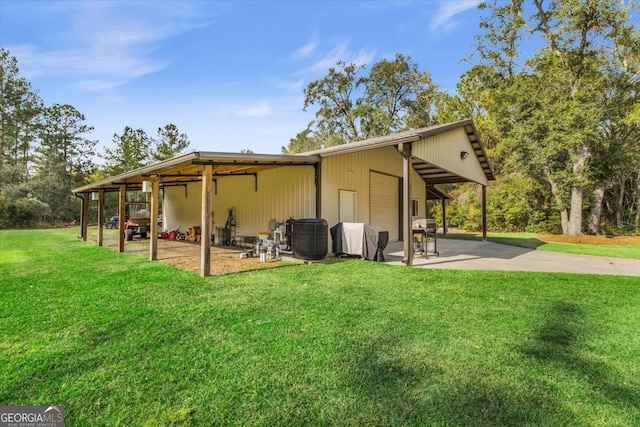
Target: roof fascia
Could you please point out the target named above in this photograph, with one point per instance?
(388, 140)
(202, 157)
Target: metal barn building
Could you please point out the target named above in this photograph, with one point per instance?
(383, 181)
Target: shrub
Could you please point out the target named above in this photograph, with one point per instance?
(21, 213)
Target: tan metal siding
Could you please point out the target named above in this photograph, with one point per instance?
(348, 206)
(444, 149)
(351, 172)
(384, 208)
(282, 193)
(181, 207)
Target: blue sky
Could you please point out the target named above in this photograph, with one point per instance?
(229, 74)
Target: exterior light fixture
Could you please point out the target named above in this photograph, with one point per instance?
(95, 195)
(147, 186)
(464, 155)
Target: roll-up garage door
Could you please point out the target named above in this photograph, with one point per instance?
(384, 203)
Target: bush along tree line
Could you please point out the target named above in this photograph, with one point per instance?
(45, 151)
(553, 88)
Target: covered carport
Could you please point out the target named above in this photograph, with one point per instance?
(441, 154)
(434, 194)
(444, 154)
(203, 167)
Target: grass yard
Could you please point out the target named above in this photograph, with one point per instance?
(618, 247)
(119, 340)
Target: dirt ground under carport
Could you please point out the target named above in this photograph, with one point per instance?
(186, 255)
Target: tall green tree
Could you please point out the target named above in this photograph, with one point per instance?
(20, 112)
(169, 143)
(63, 160)
(615, 165)
(132, 150)
(351, 105)
(399, 96)
(44, 152)
(64, 139)
(553, 101)
(336, 97)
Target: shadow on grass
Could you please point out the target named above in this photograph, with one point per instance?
(558, 345)
(414, 387)
(385, 374)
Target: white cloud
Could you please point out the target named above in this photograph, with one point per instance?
(90, 71)
(106, 45)
(448, 10)
(341, 52)
(305, 50)
(259, 109)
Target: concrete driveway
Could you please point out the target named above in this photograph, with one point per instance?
(470, 255)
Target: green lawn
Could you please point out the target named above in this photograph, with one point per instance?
(531, 241)
(119, 340)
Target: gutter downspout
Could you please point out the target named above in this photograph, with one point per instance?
(81, 213)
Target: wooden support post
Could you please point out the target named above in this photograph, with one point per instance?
(484, 213)
(122, 200)
(153, 238)
(100, 217)
(406, 203)
(444, 217)
(85, 216)
(205, 225)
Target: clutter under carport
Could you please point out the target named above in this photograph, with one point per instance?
(306, 239)
(193, 234)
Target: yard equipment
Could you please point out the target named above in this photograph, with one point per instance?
(138, 223)
(173, 234)
(229, 237)
(424, 237)
(193, 234)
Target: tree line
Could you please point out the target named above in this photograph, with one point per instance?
(45, 151)
(552, 87)
(554, 92)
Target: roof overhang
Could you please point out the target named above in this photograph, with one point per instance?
(430, 173)
(435, 194)
(188, 168)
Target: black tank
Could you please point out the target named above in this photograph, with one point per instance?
(310, 239)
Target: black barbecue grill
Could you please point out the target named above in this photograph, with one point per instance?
(424, 237)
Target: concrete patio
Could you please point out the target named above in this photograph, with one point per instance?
(471, 255)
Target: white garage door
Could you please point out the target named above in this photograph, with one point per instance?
(384, 203)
